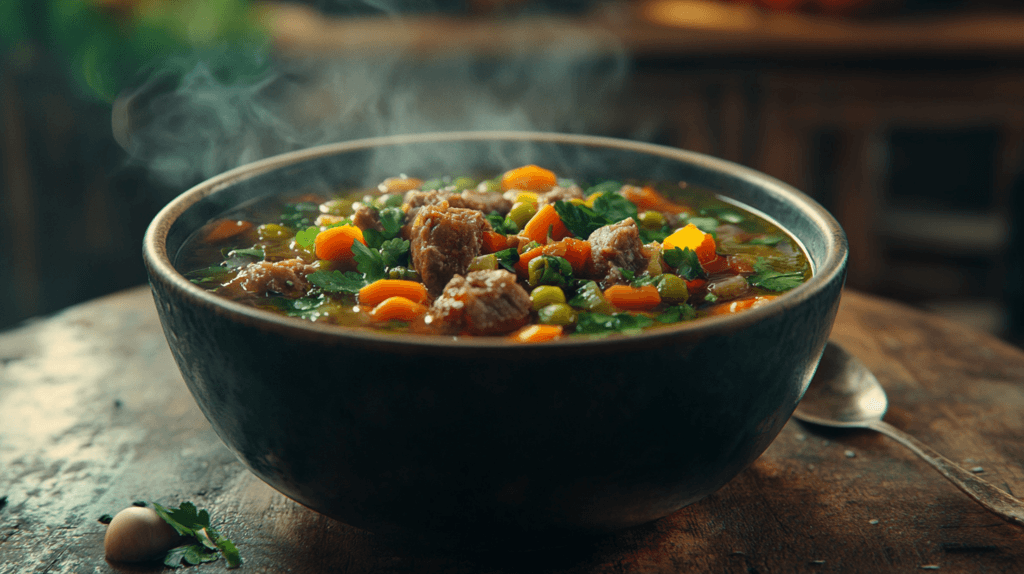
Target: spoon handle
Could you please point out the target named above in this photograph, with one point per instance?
(995, 500)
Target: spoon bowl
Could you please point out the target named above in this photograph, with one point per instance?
(844, 393)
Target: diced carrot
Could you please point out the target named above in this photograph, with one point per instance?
(690, 236)
(494, 242)
(335, 243)
(557, 249)
(536, 333)
(646, 198)
(740, 304)
(529, 177)
(544, 223)
(226, 229)
(382, 289)
(397, 309)
(633, 298)
(577, 253)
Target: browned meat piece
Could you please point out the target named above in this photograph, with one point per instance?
(443, 241)
(417, 198)
(485, 201)
(365, 217)
(561, 194)
(481, 303)
(287, 277)
(616, 246)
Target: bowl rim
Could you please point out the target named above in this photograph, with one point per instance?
(158, 262)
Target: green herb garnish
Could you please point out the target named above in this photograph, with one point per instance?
(600, 323)
(685, 262)
(507, 258)
(767, 278)
(676, 314)
(299, 215)
(307, 237)
(209, 544)
(337, 282)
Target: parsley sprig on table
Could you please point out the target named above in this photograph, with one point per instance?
(208, 545)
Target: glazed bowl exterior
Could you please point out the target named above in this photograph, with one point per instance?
(477, 438)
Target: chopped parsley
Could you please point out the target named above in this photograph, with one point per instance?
(502, 224)
(507, 258)
(685, 262)
(337, 282)
(614, 207)
(303, 307)
(601, 323)
(767, 278)
(299, 215)
(676, 314)
(208, 545)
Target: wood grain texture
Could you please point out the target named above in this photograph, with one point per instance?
(94, 415)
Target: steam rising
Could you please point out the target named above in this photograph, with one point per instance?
(186, 129)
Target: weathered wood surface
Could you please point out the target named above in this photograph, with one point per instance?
(94, 415)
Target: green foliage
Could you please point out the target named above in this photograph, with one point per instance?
(209, 544)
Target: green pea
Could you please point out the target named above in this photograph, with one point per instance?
(462, 183)
(652, 220)
(557, 314)
(522, 212)
(273, 231)
(545, 295)
(672, 288)
(487, 262)
(403, 273)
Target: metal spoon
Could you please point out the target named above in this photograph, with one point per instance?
(845, 394)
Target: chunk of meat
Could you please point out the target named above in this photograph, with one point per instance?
(481, 303)
(561, 194)
(613, 248)
(443, 242)
(366, 216)
(287, 277)
(485, 201)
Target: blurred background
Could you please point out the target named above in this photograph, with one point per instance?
(905, 118)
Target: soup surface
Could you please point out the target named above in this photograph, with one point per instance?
(525, 255)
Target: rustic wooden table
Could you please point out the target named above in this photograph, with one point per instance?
(94, 415)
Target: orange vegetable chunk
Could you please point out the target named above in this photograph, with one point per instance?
(529, 177)
(545, 222)
(690, 236)
(335, 243)
(633, 298)
(397, 309)
(646, 198)
(227, 228)
(536, 333)
(382, 289)
(493, 242)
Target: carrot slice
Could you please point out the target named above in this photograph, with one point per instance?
(633, 298)
(577, 253)
(382, 289)
(544, 223)
(646, 198)
(690, 236)
(494, 242)
(227, 228)
(738, 305)
(529, 177)
(536, 333)
(335, 243)
(397, 309)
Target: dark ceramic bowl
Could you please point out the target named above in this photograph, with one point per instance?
(475, 438)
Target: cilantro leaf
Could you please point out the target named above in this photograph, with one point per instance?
(507, 258)
(395, 252)
(651, 235)
(604, 187)
(209, 276)
(502, 224)
(209, 544)
(677, 313)
(614, 207)
(368, 261)
(299, 215)
(579, 219)
(685, 262)
(392, 219)
(601, 323)
(307, 237)
(374, 239)
(336, 281)
(767, 278)
(303, 307)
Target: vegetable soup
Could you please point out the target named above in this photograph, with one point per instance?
(525, 255)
